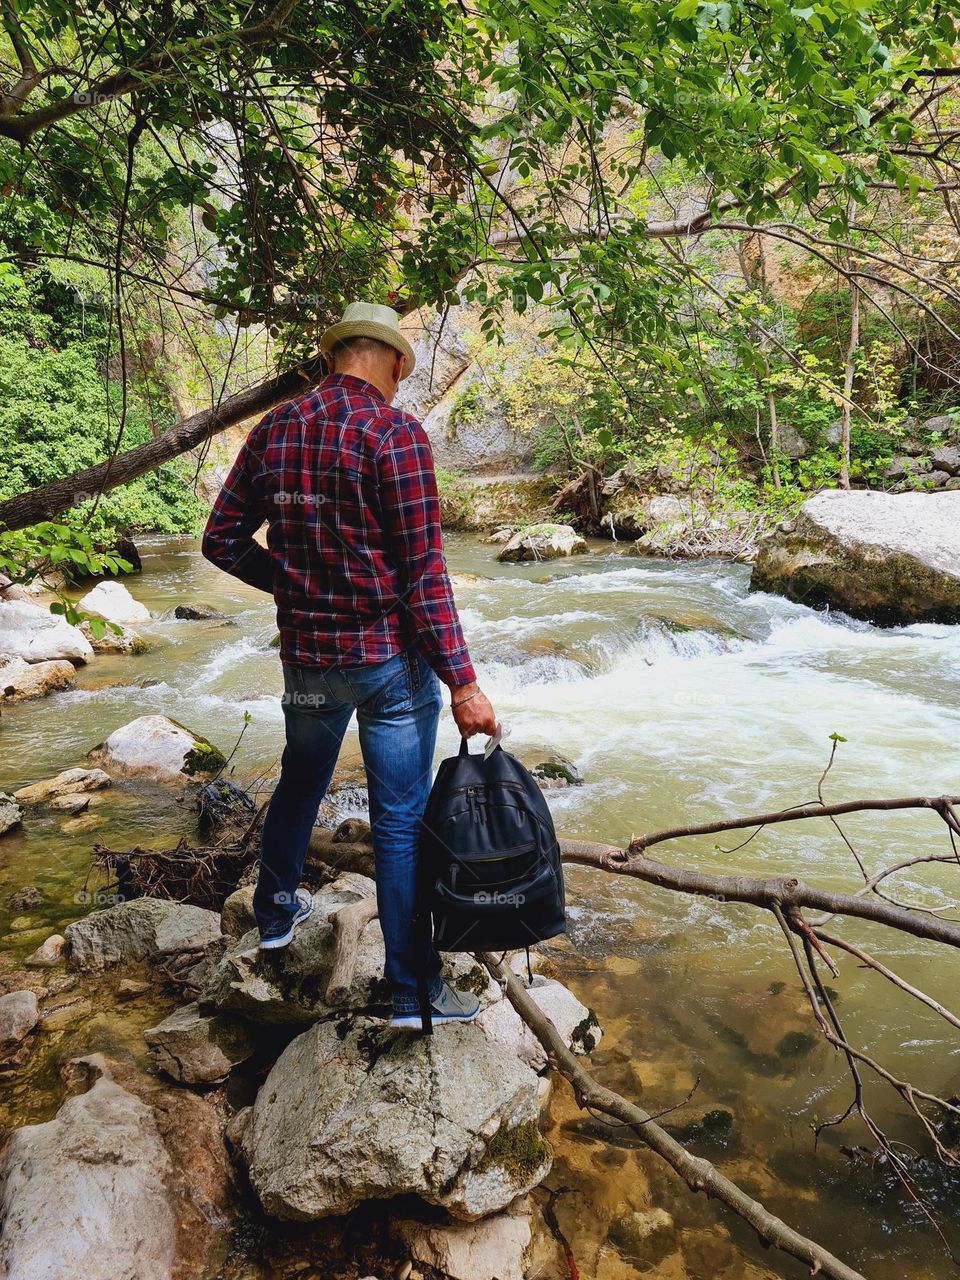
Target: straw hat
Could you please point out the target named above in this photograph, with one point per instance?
(370, 320)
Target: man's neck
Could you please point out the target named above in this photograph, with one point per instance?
(374, 378)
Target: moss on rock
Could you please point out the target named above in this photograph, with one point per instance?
(522, 1151)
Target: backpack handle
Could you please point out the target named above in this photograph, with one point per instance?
(464, 748)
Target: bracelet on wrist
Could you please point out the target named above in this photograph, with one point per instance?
(461, 701)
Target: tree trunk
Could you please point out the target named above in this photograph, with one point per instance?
(50, 500)
(848, 372)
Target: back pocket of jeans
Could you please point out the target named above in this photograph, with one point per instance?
(395, 695)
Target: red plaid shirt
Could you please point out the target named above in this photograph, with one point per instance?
(345, 484)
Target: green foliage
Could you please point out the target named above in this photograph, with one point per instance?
(59, 415)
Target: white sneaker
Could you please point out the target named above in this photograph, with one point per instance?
(447, 1005)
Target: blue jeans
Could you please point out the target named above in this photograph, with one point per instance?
(398, 706)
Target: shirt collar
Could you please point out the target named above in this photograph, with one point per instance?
(352, 383)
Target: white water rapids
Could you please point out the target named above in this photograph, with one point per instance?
(680, 697)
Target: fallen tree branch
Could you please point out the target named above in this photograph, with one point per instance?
(348, 925)
(759, 891)
(698, 1173)
(939, 804)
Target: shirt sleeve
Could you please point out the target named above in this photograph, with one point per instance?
(411, 515)
(237, 514)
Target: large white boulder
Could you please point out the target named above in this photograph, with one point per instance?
(85, 1194)
(32, 632)
(144, 929)
(21, 680)
(130, 1181)
(112, 600)
(543, 542)
(447, 1117)
(892, 559)
(159, 748)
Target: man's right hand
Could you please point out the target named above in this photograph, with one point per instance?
(472, 711)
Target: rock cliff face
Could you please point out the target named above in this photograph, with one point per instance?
(891, 559)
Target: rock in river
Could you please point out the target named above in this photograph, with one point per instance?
(892, 559)
(18, 1016)
(448, 1117)
(31, 632)
(112, 600)
(71, 782)
(11, 815)
(157, 747)
(130, 1181)
(21, 680)
(543, 542)
(144, 929)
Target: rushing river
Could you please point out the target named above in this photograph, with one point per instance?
(680, 697)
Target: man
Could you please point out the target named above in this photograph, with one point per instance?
(354, 561)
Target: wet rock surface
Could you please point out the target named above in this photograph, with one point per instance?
(70, 782)
(21, 681)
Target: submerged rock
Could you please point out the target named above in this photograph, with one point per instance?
(543, 542)
(26, 898)
(144, 929)
(112, 601)
(70, 782)
(447, 1117)
(195, 1048)
(21, 680)
(159, 748)
(891, 559)
(31, 632)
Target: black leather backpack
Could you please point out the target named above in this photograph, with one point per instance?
(489, 856)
